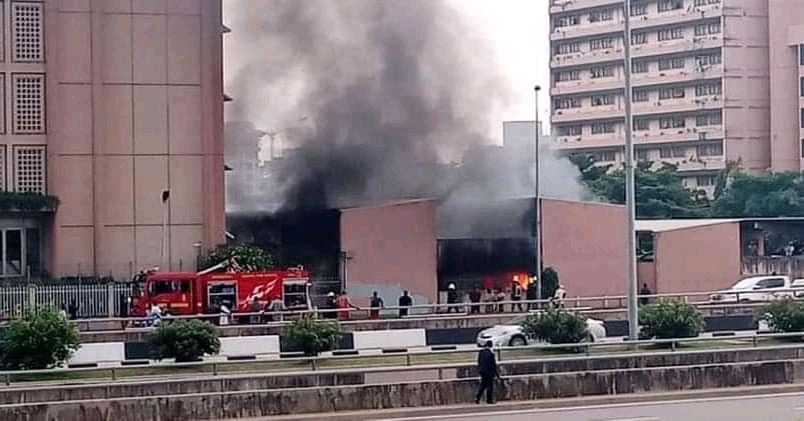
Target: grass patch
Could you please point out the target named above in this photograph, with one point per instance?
(369, 361)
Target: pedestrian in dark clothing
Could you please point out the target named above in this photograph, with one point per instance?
(474, 297)
(487, 370)
(532, 293)
(405, 301)
(331, 304)
(644, 293)
(72, 310)
(376, 305)
(516, 297)
(452, 299)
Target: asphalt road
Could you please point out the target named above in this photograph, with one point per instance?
(776, 407)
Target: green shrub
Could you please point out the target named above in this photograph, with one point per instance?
(185, 340)
(556, 326)
(312, 335)
(40, 339)
(786, 315)
(668, 319)
(549, 282)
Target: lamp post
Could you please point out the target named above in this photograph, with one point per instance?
(630, 190)
(165, 215)
(537, 241)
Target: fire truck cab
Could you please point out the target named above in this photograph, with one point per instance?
(187, 293)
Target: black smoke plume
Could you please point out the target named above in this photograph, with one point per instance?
(390, 91)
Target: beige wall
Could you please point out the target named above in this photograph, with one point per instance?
(703, 258)
(135, 106)
(586, 244)
(393, 248)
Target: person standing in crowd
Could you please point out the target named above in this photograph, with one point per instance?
(488, 298)
(376, 305)
(533, 293)
(645, 294)
(488, 372)
(499, 298)
(516, 297)
(474, 297)
(72, 310)
(559, 296)
(275, 309)
(405, 301)
(344, 305)
(452, 299)
(330, 305)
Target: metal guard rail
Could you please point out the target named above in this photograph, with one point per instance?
(315, 362)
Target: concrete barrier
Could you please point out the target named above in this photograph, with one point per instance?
(236, 405)
(233, 383)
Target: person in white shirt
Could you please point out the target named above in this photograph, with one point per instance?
(559, 296)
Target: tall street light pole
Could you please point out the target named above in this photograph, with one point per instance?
(537, 241)
(630, 192)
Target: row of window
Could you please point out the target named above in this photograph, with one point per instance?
(642, 95)
(27, 103)
(28, 165)
(637, 9)
(714, 118)
(702, 61)
(640, 38)
(703, 150)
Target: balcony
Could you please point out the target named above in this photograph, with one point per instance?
(587, 30)
(559, 6)
(674, 17)
(677, 46)
(587, 57)
(586, 85)
(603, 112)
(668, 106)
(697, 164)
(588, 141)
(676, 135)
(675, 76)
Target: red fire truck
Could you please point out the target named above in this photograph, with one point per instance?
(188, 293)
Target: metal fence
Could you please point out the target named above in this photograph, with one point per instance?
(93, 300)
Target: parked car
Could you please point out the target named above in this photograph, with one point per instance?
(511, 334)
(759, 289)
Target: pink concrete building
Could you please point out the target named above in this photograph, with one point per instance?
(713, 81)
(108, 104)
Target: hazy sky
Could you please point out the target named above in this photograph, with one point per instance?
(519, 29)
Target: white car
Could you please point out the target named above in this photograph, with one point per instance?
(511, 334)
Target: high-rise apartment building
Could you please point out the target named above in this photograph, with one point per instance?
(116, 108)
(701, 76)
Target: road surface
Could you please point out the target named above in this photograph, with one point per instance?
(776, 407)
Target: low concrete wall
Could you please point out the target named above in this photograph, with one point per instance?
(236, 405)
(19, 395)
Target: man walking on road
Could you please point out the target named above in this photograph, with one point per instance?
(487, 369)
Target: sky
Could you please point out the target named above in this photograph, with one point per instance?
(518, 28)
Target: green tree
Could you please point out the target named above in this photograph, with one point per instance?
(660, 191)
(762, 195)
(185, 340)
(549, 282)
(670, 319)
(247, 257)
(312, 335)
(40, 339)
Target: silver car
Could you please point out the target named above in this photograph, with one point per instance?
(511, 334)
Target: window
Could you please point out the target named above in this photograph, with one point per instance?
(802, 118)
(668, 5)
(641, 154)
(598, 100)
(709, 89)
(801, 54)
(599, 72)
(709, 59)
(713, 28)
(564, 103)
(26, 32)
(673, 152)
(567, 76)
(802, 148)
(601, 15)
(29, 169)
(641, 124)
(710, 119)
(706, 2)
(640, 67)
(604, 156)
(672, 123)
(602, 43)
(601, 128)
(639, 9)
(670, 34)
(710, 149)
(639, 38)
(706, 180)
(671, 93)
(563, 21)
(671, 63)
(29, 103)
(568, 48)
(640, 95)
(801, 86)
(3, 168)
(570, 130)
